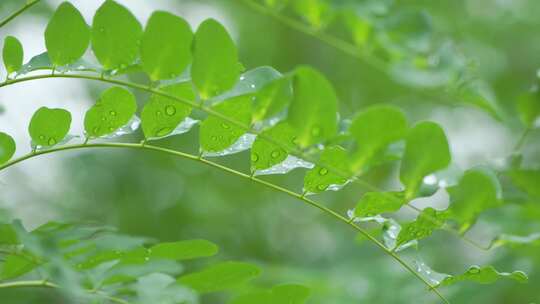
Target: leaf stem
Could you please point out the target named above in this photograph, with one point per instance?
(28, 5)
(209, 111)
(267, 184)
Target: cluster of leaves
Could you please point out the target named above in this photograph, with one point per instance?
(100, 265)
(286, 120)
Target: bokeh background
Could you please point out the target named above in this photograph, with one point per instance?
(167, 198)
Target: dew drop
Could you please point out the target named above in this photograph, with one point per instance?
(225, 126)
(170, 110)
(323, 171)
(322, 187)
(52, 141)
(113, 113)
(275, 153)
(254, 157)
(42, 137)
(214, 138)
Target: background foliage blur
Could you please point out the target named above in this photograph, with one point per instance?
(170, 199)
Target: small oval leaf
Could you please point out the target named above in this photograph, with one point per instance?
(48, 127)
(67, 35)
(116, 35)
(166, 46)
(12, 53)
(7, 147)
(219, 277)
(114, 109)
(183, 250)
(215, 66)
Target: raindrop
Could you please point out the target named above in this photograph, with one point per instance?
(225, 126)
(275, 153)
(323, 171)
(254, 157)
(113, 113)
(158, 113)
(214, 138)
(103, 118)
(51, 141)
(322, 187)
(42, 137)
(170, 110)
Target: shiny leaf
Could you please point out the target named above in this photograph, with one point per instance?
(12, 53)
(48, 127)
(7, 147)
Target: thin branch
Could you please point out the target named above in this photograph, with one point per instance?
(295, 152)
(14, 15)
(196, 158)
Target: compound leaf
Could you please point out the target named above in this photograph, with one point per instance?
(215, 66)
(183, 250)
(526, 180)
(161, 115)
(115, 107)
(217, 134)
(67, 35)
(374, 129)
(427, 221)
(12, 53)
(166, 46)
(331, 172)
(48, 127)
(220, 277)
(7, 147)
(313, 110)
(116, 35)
(426, 151)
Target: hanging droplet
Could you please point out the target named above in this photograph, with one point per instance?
(323, 171)
(51, 141)
(170, 110)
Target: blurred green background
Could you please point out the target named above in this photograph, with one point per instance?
(166, 198)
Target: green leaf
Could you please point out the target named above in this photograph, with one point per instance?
(282, 294)
(374, 129)
(427, 221)
(8, 235)
(166, 46)
(484, 275)
(318, 13)
(67, 35)
(313, 110)
(528, 106)
(161, 115)
(183, 250)
(526, 180)
(15, 266)
(272, 99)
(476, 191)
(215, 67)
(219, 277)
(114, 109)
(116, 35)
(48, 127)
(265, 153)
(12, 53)
(359, 28)
(217, 134)
(324, 177)
(426, 151)
(7, 147)
(374, 203)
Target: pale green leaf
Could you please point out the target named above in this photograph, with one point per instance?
(7, 147)
(15, 266)
(219, 277)
(217, 134)
(215, 67)
(313, 110)
(67, 35)
(272, 99)
(161, 115)
(48, 127)
(426, 151)
(427, 221)
(266, 153)
(374, 129)
(374, 203)
(183, 250)
(331, 172)
(12, 53)
(527, 180)
(166, 46)
(318, 13)
(475, 192)
(529, 107)
(116, 35)
(484, 275)
(115, 107)
(281, 294)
